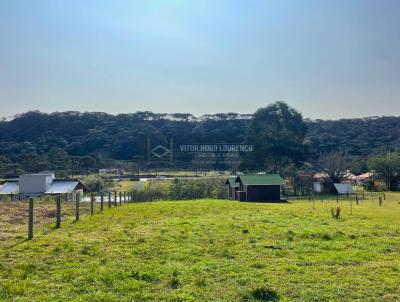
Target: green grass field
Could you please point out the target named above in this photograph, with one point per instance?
(124, 185)
(211, 250)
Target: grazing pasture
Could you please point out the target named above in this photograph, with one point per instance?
(206, 250)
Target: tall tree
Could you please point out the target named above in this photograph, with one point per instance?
(4, 164)
(277, 134)
(388, 169)
(336, 165)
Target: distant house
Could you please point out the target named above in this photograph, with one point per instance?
(320, 176)
(320, 182)
(233, 187)
(259, 187)
(32, 185)
(350, 177)
(364, 178)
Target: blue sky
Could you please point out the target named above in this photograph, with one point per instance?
(328, 59)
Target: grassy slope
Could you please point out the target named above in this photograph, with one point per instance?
(124, 185)
(212, 251)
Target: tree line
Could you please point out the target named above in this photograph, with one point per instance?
(79, 143)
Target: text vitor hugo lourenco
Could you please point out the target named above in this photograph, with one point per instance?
(216, 148)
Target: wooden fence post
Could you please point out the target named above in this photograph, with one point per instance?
(124, 197)
(351, 206)
(109, 199)
(120, 198)
(92, 203)
(30, 219)
(115, 198)
(77, 204)
(101, 201)
(356, 199)
(380, 201)
(58, 211)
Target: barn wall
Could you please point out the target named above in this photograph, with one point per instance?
(263, 193)
(230, 192)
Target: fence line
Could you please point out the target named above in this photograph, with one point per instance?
(149, 196)
(119, 199)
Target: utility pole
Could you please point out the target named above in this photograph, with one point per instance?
(171, 155)
(148, 152)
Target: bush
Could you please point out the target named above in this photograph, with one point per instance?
(198, 188)
(183, 190)
(261, 293)
(265, 294)
(95, 183)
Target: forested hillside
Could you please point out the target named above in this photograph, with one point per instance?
(89, 138)
(119, 137)
(366, 136)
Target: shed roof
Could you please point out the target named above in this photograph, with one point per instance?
(231, 182)
(9, 188)
(59, 187)
(342, 188)
(260, 179)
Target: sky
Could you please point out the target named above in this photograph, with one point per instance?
(328, 59)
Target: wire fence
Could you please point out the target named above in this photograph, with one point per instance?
(25, 219)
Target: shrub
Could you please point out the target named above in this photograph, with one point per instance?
(336, 213)
(174, 283)
(261, 293)
(95, 183)
(198, 188)
(290, 235)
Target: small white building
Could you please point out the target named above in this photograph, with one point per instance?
(32, 185)
(35, 184)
